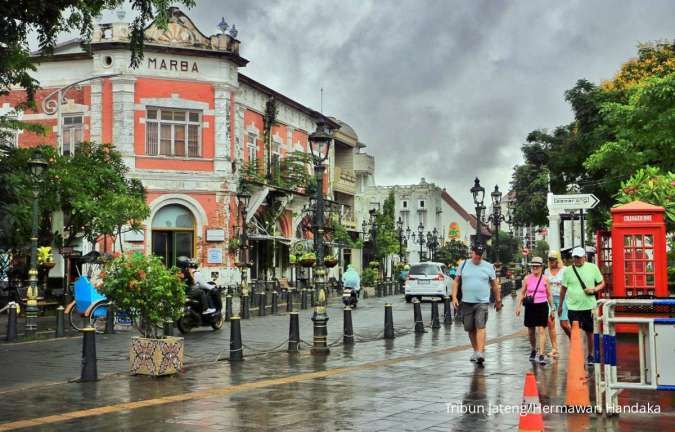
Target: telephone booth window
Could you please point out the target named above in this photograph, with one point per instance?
(639, 264)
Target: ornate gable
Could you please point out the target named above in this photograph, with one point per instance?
(180, 31)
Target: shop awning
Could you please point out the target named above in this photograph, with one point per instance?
(263, 237)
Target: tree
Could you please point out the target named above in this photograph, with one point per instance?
(387, 237)
(653, 186)
(91, 188)
(540, 249)
(508, 247)
(452, 252)
(49, 19)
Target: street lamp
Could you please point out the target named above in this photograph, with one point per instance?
(497, 218)
(478, 193)
(244, 197)
(37, 166)
(319, 139)
(432, 243)
(403, 236)
(419, 239)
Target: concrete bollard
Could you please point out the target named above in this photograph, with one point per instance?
(245, 311)
(60, 323)
(275, 303)
(347, 328)
(89, 370)
(11, 322)
(262, 304)
(417, 316)
(228, 307)
(289, 300)
(168, 328)
(435, 322)
(109, 320)
(447, 310)
(294, 332)
(388, 322)
(236, 348)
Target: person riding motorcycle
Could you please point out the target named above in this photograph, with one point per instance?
(350, 279)
(196, 287)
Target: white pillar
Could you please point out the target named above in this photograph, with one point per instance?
(553, 231)
(123, 88)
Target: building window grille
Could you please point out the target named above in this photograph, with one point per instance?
(173, 132)
(71, 130)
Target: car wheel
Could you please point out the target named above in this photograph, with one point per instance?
(408, 299)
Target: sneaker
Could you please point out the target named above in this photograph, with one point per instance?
(542, 359)
(533, 355)
(474, 357)
(208, 311)
(589, 360)
(480, 358)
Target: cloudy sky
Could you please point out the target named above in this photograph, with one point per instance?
(445, 90)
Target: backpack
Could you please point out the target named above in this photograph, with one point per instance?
(459, 283)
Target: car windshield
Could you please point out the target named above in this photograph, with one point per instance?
(424, 270)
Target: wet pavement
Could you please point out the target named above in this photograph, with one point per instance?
(414, 382)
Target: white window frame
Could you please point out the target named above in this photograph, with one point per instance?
(404, 204)
(157, 123)
(69, 145)
(421, 204)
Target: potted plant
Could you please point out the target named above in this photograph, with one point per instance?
(233, 245)
(292, 259)
(152, 294)
(330, 261)
(308, 259)
(45, 257)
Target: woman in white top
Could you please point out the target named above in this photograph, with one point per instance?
(554, 273)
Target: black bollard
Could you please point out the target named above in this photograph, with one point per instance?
(168, 328)
(388, 322)
(303, 299)
(378, 289)
(262, 304)
(390, 287)
(60, 328)
(236, 349)
(435, 322)
(275, 303)
(348, 329)
(228, 307)
(109, 320)
(244, 306)
(417, 314)
(89, 371)
(11, 322)
(294, 333)
(447, 310)
(289, 300)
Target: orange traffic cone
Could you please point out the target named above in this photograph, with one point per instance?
(577, 380)
(531, 419)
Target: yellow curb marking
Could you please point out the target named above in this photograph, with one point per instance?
(222, 391)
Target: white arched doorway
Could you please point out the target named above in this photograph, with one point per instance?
(173, 233)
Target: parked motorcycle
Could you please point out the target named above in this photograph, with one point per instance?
(193, 317)
(349, 297)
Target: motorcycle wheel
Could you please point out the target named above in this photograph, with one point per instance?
(217, 323)
(183, 325)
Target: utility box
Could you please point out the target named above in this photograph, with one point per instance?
(638, 250)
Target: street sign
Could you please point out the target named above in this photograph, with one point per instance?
(573, 202)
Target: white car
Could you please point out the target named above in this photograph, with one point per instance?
(428, 279)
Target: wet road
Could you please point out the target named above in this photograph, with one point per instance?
(411, 383)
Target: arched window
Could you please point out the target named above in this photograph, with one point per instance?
(173, 233)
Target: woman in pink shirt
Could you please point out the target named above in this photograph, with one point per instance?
(538, 301)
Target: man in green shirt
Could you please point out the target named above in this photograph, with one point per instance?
(579, 286)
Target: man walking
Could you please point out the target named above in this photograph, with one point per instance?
(579, 286)
(476, 277)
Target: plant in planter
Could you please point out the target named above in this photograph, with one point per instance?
(308, 259)
(234, 244)
(292, 259)
(152, 294)
(330, 261)
(45, 257)
(369, 277)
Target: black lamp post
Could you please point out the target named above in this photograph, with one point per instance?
(244, 197)
(497, 218)
(432, 243)
(369, 229)
(37, 166)
(420, 240)
(319, 139)
(403, 236)
(478, 193)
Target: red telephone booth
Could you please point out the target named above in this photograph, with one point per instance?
(639, 251)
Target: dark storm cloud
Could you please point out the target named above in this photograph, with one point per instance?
(445, 90)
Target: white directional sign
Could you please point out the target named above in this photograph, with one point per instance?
(573, 202)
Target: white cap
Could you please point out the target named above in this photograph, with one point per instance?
(578, 252)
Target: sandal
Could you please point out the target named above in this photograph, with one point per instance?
(554, 354)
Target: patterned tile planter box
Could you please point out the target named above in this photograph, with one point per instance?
(156, 357)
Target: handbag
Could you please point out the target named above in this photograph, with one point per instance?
(529, 299)
(459, 283)
(583, 285)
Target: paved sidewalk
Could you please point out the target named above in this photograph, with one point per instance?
(410, 383)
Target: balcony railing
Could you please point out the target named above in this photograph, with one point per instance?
(345, 181)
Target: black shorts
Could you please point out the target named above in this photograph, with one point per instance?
(585, 318)
(536, 314)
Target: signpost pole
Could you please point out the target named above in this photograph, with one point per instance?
(583, 242)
